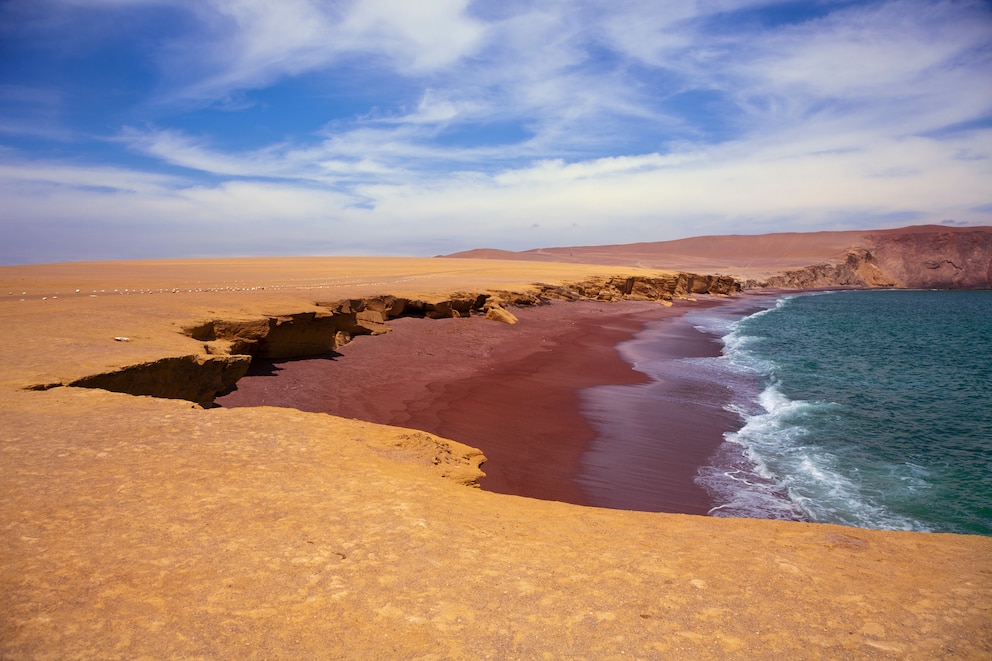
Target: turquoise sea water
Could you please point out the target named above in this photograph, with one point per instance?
(864, 408)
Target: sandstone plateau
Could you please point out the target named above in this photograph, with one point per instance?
(139, 524)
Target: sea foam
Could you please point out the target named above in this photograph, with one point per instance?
(864, 443)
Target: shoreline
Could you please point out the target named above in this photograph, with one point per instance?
(656, 436)
(522, 394)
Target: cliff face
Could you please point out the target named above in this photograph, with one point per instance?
(229, 344)
(918, 259)
(936, 260)
(194, 378)
(860, 268)
(678, 285)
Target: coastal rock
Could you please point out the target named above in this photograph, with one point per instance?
(368, 316)
(642, 288)
(365, 322)
(914, 260)
(936, 260)
(565, 292)
(859, 269)
(297, 335)
(445, 310)
(362, 316)
(284, 336)
(501, 315)
(923, 256)
(505, 298)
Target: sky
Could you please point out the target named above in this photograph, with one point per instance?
(135, 129)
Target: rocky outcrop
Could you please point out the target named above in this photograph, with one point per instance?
(337, 322)
(501, 315)
(283, 336)
(936, 260)
(642, 288)
(909, 259)
(921, 256)
(859, 269)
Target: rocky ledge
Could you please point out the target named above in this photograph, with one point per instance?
(230, 344)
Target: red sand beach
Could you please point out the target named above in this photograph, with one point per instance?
(517, 393)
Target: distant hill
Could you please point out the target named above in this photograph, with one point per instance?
(922, 256)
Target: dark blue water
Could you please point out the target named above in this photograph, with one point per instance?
(864, 408)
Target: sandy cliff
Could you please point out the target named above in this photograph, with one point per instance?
(226, 344)
(146, 527)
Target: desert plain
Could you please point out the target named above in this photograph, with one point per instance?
(141, 527)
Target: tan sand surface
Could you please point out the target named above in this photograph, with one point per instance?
(135, 527)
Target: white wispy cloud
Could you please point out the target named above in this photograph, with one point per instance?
(251, 43)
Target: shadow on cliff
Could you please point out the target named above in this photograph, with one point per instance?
(272, 367)
(269, 367)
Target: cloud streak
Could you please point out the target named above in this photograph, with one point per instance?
(391, 128)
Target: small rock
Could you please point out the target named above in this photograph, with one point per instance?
(499, 314)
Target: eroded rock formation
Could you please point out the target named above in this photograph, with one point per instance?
(230, 344)
(283, 336)
(922, 259)
(859, 269)
(936, 260)
(678, 285)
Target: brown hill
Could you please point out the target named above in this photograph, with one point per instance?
(923, 256)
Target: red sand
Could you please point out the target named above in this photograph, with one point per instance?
(515, 392)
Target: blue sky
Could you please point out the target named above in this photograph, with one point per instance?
(151, 128)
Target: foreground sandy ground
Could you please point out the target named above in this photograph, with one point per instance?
(135, 527)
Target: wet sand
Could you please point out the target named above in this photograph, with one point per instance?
(653, 437)
(558, 412)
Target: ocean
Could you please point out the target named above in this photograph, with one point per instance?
(863, 408)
